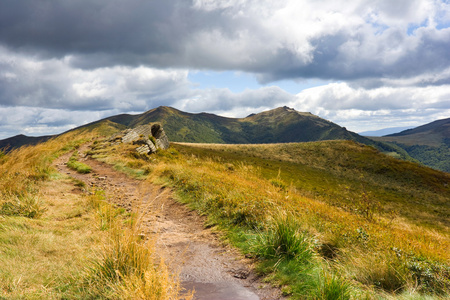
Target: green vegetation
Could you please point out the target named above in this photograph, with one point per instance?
(434, 157)
(322, 220)
(428, 144)
(126, 267)
(75, 165)
(333, 219)
(26, 206)
(57, 243)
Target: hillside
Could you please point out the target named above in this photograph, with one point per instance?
(313, 219)
(21, 140)
(428, 144)
(280, 125)
(432, 134)
(376, 223)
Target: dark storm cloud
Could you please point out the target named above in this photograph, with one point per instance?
(64, 27)
(184, 34)
(104, 33)
(113, 56)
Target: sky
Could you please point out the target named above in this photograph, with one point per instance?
(363, 64)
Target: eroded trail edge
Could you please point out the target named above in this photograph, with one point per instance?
(204, 263)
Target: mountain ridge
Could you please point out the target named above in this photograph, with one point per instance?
(428, 143)
(279, 125)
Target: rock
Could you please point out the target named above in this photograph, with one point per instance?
(144, 149)
(162, 142)
(149, 138)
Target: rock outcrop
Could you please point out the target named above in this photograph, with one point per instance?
(149, 138)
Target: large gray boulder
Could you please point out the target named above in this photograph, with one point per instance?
(149, 138)
(162, 141)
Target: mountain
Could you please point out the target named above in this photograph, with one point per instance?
(20, 140)
(428, 143)
(280, 125)
(432, 134)
(384, 131)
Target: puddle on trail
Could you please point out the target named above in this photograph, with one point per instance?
(219, 291)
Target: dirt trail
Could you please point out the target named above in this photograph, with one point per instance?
(203, 262)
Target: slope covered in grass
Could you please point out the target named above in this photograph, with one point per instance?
(61, 240)
(324, 220)
(428, 143)
(344, 174)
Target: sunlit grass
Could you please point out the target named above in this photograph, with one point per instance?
(53, 235)
(78, 166)
(375, 225)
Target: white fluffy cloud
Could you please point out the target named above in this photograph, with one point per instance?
(387, 59)
(364, 109)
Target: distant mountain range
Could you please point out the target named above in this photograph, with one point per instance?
(383, 132)
(21, 140)
(432, 134)
(428, 143)
(280, 125)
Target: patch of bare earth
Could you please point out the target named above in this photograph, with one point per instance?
(205, 264)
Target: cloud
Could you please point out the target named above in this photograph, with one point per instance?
(340, 96)
(362, 109)
(93, 57)
(275, 40)
(223, 100)
(35, 121)
(52, 83)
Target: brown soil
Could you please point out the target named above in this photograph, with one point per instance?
(204, 263)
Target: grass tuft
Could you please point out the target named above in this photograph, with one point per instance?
(284, 240)
(332, 287)
(75, 165)
(26, 206)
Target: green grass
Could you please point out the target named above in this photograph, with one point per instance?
(333, 220)
(45, 258)
(347, 175)
(284, 240)
(27, 206)
(75, 165)
(52, 237)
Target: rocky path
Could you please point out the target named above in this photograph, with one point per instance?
(215, 271)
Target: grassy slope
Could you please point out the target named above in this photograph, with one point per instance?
(432, 134)
(57, 242)
(377, 221)
(428, 144)
(337, 171)
(277, 125)
(353, 199)
(381, 224)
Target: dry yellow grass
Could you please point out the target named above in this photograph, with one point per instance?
(48, 256)
(388, 251)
